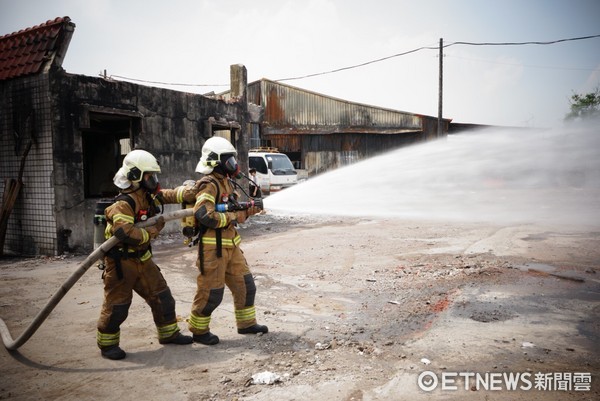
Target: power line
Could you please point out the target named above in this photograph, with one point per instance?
(437, 48)
(359, 65)
(520, 43)
(382, 59)
(164, 83)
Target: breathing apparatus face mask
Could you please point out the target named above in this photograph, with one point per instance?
(231, 167)
(150, 182)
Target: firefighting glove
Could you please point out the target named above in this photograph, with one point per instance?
(190, 193)
(160, 223)
(155, 229)
(253, 210)
(188, 190)
(241, 216)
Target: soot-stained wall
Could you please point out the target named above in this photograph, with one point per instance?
(57, 110)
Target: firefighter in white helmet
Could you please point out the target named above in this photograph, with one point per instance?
(220, 259)
(128, 265)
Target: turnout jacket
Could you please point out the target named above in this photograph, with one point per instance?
(215, 188)
(120, 217)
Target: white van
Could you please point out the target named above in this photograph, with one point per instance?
(274, 170)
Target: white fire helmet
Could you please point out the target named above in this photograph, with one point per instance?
(213, 153)
(135, 164)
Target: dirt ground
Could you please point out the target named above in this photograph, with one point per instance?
(357, 309)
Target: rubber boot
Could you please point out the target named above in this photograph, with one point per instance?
(178, 339)
(254, 329)
(206, 338)
(113, 352)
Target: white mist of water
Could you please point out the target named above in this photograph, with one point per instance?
(492, 175)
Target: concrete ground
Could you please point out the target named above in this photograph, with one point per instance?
(358, 309)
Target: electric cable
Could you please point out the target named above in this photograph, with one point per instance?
(382, 59)
(163, 83)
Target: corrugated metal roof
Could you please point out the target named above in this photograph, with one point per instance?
(288, 109)
(308, 111)
(292, 110)
(30, 50)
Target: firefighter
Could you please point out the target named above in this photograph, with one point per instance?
(220, 260)
(128, 265)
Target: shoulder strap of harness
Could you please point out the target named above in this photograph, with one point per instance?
(202, 230)
(127, 198)
(114, 252)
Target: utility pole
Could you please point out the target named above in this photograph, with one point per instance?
(440, 91)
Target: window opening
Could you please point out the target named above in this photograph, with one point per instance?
(224, 134)
(228, 130)
(105, 143)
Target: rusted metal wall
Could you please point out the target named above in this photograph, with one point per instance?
(430, 127)
(359, 146)
(292, 110)
(319, 132)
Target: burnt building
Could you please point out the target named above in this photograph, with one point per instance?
(63, 136)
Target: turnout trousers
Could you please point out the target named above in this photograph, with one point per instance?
(148, 282)
(231, 270)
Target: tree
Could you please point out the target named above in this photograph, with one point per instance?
(585, 106)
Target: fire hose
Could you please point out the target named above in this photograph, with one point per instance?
(7, 339)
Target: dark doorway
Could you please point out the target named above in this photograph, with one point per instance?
(105, 143)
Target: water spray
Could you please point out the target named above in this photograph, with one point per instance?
(496, 175)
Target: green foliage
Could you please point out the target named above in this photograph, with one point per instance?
(584, 106)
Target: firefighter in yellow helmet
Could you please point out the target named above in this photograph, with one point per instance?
(220, 260)
(128, 265)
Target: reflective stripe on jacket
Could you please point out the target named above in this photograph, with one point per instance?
(120, 217)
(209, 218)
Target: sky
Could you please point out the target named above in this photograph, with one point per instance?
(194, 42)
